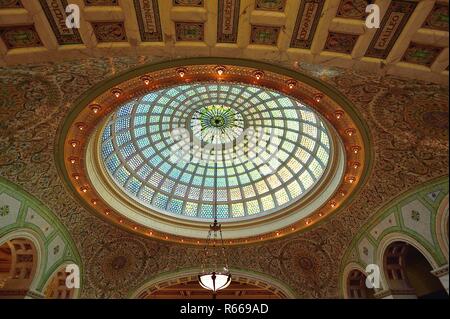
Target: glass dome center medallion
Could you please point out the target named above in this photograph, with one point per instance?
(217, 124)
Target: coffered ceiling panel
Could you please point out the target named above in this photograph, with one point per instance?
(101, 2)
(396, 17)
(270, 5)
(55, 14)
(412, 40)
(352, 9)
(20, 37)
(228, 21)
(10, 4)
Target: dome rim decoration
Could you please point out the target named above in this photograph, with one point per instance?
(82, 124)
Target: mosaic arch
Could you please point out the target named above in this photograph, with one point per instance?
(117, 156)
(411, 218)
(56, 288)
(245, 281)
(23, 217)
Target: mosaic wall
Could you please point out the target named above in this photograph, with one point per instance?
(21, 213)
(416, 215)
(407, 121)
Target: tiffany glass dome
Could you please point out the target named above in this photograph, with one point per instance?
(162, 150)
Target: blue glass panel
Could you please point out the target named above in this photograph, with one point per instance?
(142, 130)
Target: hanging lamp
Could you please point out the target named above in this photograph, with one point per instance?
(215, 274)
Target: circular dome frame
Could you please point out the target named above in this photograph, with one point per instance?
(83, 123)
(140, 131)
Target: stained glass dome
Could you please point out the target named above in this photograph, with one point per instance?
(161, 150)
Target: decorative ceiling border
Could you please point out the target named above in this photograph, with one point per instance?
(306, 24)
(148, 19)
(396, 17)
(293, 30)
(55, 11)
(228, 21)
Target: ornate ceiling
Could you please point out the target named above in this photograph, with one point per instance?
(408, 127)
(82, 150)
(407, 122)
(412, 40)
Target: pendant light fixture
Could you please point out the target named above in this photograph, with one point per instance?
(215, 274)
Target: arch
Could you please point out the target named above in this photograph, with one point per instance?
(243, 276)
(442, 227)
(407, 271)
(356, 285)
(351, 290)
(391, 223)
(26, 263)
(27, 218)
(400, 237)
(55, 287)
